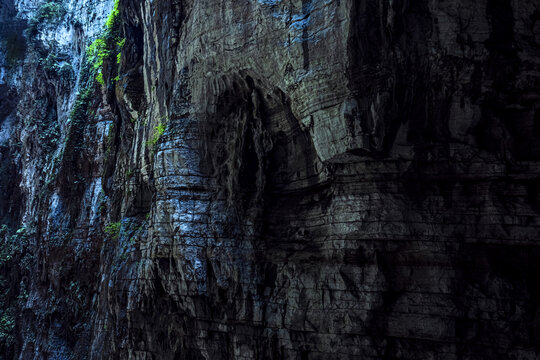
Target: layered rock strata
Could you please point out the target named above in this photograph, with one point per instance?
(314, 179)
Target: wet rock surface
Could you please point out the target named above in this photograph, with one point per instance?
(328, 179)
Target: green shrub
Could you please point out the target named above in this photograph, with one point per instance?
(97, 52)
(55, 66)
(109, 43)
(112, 20)
(80, 109)
(158, 132)
(120, 45)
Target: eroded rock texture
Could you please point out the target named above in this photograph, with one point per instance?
(314, 179)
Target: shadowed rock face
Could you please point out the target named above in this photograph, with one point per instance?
(315, 179)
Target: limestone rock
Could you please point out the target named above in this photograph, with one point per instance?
(256, 179)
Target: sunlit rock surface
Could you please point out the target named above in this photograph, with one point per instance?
(330, 179)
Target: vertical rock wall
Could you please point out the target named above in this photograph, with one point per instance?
(315, 179)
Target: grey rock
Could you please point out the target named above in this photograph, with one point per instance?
(315, 179)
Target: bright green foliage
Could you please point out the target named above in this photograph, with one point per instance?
(96, 53)
(158, 132)
(99, 79)
(113, 16)
(113, 230)
(102, 49)
(121, 43)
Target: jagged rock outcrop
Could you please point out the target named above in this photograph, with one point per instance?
(314, 179)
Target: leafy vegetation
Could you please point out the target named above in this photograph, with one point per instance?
(120, 44)
(99, 57)
(50, 11)
(74, 145)
(96, 54)
(56, 67)
(112, 20)
(44, 120)
(7, 326)
(14, 259)
(101, 50)
(79, 114)
(156, 136)
(113, 230)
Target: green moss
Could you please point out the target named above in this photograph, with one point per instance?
(113, 230)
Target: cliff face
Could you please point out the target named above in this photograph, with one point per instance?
(314, 179)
